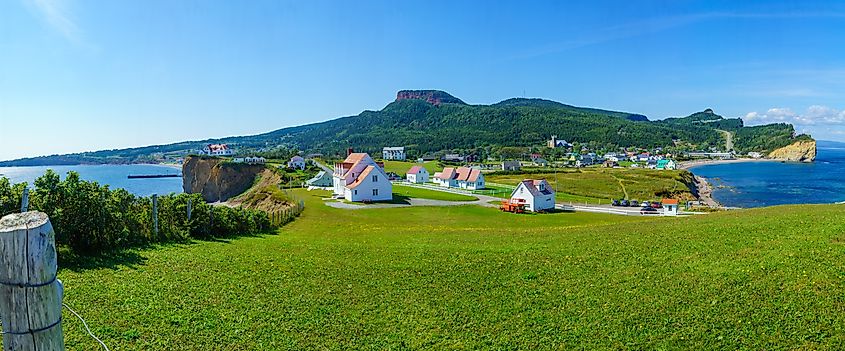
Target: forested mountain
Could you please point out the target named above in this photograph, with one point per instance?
(429, 121)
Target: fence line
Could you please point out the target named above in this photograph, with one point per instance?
(287, 215)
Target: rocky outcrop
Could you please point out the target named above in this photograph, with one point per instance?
(434, 97)
(800, 151)
(215, 178)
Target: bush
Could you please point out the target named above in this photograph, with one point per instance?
(89, 217)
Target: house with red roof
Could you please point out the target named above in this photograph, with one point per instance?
(461, 177)
(217, 150)
(417, 174)
(670, 207)
(537, 195)
(359, 178)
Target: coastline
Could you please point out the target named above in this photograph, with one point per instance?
(687, 165)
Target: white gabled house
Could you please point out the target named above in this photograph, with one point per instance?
(359, 178)
(417, 174)
(461, 177)
(296, 162)
(393, 153)
(537, 194)
(217, 150)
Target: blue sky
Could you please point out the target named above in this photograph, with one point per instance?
(89, 75)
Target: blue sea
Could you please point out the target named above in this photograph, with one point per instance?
(113, 175)
(756, 184)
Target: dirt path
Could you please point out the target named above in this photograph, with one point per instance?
(624, 191)
(729, 139)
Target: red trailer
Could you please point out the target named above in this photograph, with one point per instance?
(513, 206)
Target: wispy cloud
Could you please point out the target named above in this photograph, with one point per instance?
(816, 115)
(659, 24)
(56, 14)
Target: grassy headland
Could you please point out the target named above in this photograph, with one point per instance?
(468, 277)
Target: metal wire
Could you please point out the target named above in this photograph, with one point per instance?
(86, 326)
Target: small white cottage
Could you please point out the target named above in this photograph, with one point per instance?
(670, 207)
(296, 162)
(417, 174)
(537, 194)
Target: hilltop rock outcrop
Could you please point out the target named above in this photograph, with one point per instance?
(216, 179)
(434, 97)
(800, 151)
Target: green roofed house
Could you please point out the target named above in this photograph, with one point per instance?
(323, 179)
(666, 164)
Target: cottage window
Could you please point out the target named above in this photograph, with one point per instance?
(375, 178)
(375, 192)
(355, 192)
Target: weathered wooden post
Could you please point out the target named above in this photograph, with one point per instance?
(25, 200)
(189, 209)
(155, 215)
(30, 294)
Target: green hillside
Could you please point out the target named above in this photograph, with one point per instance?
(432, 121)
(473, 278)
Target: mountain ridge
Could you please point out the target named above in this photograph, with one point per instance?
(428, 121)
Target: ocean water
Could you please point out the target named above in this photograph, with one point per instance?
(112, 175)
(756, 184)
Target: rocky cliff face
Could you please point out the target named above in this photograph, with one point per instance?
(434, 97)
(217, 180)
(800, 151)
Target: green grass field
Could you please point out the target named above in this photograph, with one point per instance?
(408, 191)
(468, 277)
(593, 184)
(402, 167)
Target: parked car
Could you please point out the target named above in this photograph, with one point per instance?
(625, 203)
(634, 203)
(656, 205)
(648, 211)
(615, 203)
(646, 204)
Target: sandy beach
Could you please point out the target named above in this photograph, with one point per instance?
(690, 164)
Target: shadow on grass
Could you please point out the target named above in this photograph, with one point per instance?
(133, 257)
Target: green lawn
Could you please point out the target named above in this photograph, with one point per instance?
(407, 191)
(467, 277)
(402, 167)
(593, 184)
(504, 191)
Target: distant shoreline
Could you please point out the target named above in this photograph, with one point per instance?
(687, 165)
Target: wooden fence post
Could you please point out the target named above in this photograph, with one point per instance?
(30, 294)
(155, 215)
(25, 200)
(189, 209)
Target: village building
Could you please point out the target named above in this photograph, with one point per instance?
(666, 165)
(452, 158)
(537, 195)
(217, 150)
(250, 159)
(461, 177)
(555, 143)
(323, 179)
(296, 162)
(511, 165)
(393, 153)
(610, 164)
(417, 174)
(359, 178)
(670, 207)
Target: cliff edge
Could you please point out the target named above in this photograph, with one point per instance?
(799, 151)
(216, 179)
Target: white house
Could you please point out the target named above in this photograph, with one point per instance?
(537, 194)
(461, 177)
(511, 165)
(323, 180)
(217, 150)
(670, 207)
(393, 153)
(250, 159)
(417, 174)
(359, 178)
(296, 162)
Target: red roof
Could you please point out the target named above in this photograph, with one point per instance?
(361, 177)
(414, 170)
(670, 201)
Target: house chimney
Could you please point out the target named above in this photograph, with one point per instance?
(349, 151)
